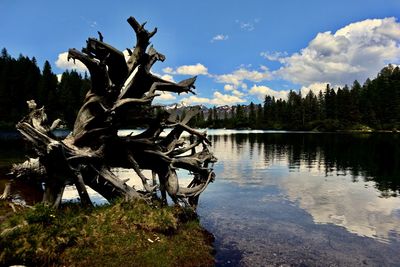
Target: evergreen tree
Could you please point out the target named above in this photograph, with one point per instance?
(311, 112)
(321, 106)
(260, 117)
(295, 110)
(47, 91)
(355, 93)
(330, 102)
(252, 116)
(240, 120)
(69, 95)
(268, 115)
(210, 121)
(376, 103)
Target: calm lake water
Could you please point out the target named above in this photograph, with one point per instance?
(302, 199)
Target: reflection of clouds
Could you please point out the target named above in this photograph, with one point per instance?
(328, 195)
(313, 183)
(235, 163)
(244, 163)
(71, 194)
(339, 201)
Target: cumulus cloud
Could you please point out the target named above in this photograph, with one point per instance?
(314, 87)
(198, 69)
(219, 37)
(274, 56)
(63, 63)
(261, 91)
(168, 70)
(196, 100)
(168, 77)
(218, 99)
(225, 99)
(165, 96)
(238, 93)
(356, 51)
(228, 87)
(237, 77)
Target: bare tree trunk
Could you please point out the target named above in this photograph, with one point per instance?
(85, 157)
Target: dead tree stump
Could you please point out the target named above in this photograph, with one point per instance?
(88, 154)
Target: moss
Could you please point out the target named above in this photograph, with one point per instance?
(128, 234)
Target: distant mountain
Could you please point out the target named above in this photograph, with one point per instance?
(178, 106)
(221, 111)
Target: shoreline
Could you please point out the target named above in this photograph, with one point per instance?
(12, 134)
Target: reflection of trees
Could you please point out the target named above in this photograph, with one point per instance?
(12, 151)
(239, 140)
(376, 157)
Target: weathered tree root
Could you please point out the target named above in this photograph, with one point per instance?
(85, 157)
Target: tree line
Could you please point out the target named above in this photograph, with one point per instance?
(373, 105)
(21, 80)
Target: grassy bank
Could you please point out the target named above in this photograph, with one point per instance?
(123, 234)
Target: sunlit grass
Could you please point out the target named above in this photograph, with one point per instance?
(123, 234)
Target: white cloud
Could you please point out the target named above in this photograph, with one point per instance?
(225, 99)
(63, 63)
(165, 96)
(274, 56)
(231, 87)
(168, 70)
(228, 87)
(168, 77)
(356, 51)
(314, 87)
(198, 69)
(196, 100)
(261, 91)
(219, 37)
(237, 77)
(218, 99)
(59, 76)
(238, 93)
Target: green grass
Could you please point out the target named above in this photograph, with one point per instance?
(122, 234)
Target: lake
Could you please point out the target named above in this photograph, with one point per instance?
(292, 198)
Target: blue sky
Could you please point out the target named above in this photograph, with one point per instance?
(240, 50)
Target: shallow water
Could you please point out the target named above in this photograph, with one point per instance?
(302, 199)
(305, 199)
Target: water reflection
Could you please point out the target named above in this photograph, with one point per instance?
(298, 198)
(370, 157)
(281, 197)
